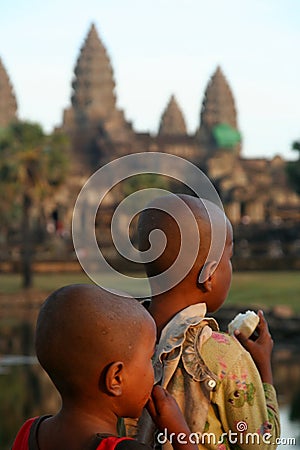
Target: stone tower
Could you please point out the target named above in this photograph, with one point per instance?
(218, 117)
(93, 84)
(172, 122)
(8, 103)
(96, 126)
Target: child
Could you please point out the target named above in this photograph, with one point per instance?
(223, 392)
(96, 347)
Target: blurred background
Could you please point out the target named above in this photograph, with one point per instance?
(82, 85)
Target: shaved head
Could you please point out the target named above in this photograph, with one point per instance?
(81, 329)
(186, 222)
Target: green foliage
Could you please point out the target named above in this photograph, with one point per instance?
(145, 181)
(293, 173)
(56, 158)
(293, 170)
(32, 166)
(248, 288)
(296, 146)
(265, 289)
(31, 162)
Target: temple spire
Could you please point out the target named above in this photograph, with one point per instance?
(8, 103)
(98, 130)
(93, 84)
(172, 121)
(218, 117)
(218, 104)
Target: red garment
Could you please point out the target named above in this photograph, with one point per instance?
(22, 439)
(110, 442)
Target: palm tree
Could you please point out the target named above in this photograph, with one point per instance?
(32, 166)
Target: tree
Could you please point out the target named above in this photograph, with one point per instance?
(145, 181)
(32, 166)
(293, 169)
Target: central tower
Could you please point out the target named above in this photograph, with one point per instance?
(93, 85)
(97, 128)
(218, 118)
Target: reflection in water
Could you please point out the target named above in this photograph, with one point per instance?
(289, 430)
(26, 391)
(15, 360)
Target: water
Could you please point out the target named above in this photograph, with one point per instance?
(289, 430)
(26, 391)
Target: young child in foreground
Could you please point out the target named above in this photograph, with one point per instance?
(223, 388)
(96, 347)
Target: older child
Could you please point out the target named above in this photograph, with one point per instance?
(223, 388)
(96, 347)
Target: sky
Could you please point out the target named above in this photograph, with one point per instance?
(159, 48)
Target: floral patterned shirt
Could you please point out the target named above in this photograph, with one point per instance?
(216, 384)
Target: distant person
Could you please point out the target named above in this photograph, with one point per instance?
(224, 389)
(96, 347)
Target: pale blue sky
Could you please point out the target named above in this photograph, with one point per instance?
(161, 47)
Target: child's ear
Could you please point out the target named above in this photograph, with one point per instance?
(204, 279)
(114, 378)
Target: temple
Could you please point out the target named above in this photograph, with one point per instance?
(252, 190)
(8, 103)
(100, 132)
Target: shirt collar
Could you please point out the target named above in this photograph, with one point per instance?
(173, 334)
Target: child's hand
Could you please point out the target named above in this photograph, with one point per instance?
(166, 414)
(260, 349)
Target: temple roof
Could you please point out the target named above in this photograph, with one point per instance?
(172, 121)
(8, 103)
(218, 105)
(93, 83)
